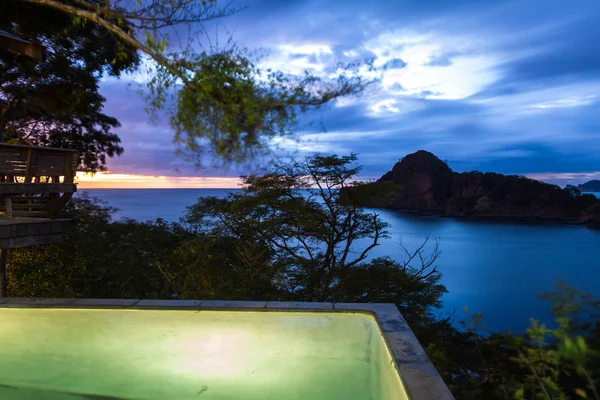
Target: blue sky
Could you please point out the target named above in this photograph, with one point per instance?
(503, 86)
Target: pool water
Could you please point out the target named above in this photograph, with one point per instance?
(103, 354)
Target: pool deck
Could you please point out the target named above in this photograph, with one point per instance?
(420, 378)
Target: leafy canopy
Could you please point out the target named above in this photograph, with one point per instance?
(218, 100)
(55, 102)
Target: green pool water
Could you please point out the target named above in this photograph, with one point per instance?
(102, 354)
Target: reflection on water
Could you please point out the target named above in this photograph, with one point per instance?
(495, 267)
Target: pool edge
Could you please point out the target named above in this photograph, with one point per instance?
(417, 373)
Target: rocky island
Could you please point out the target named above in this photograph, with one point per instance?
(591, 186)
(422, 182)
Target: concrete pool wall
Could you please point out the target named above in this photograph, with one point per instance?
(419, 377)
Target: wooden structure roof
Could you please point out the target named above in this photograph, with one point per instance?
(21, 46)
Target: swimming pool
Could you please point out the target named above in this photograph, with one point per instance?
(93, 352)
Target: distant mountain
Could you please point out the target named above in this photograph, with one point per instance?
(423, 182)
(591, 186)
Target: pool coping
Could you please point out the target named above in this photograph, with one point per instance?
(419, 376)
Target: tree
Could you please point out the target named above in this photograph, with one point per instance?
(55, 102)
(221, 268)
(319, 245)
(217, 98)
(98, 258)
(308, 228)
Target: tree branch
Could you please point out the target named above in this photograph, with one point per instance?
(375, 243)
(111, 27)
(425, 262)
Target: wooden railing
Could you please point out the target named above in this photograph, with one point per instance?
(35, 181)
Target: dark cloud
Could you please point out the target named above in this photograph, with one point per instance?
(394, 63)
(566, 53)
(443, 60)
(426, 93)
(397, 87)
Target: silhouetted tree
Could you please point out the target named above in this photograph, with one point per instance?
(319, 245)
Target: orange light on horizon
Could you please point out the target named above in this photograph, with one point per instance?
(107, 180)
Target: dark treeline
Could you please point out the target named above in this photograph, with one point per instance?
(273, 242)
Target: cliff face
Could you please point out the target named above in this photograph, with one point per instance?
(423, 182)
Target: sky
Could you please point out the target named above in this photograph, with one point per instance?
(500, 86)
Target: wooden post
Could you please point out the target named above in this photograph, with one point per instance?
(58, 204)
(30, 163)
(69, 173)
(3, 279)
(9, 208)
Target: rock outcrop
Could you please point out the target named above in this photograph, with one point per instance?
(426, 181)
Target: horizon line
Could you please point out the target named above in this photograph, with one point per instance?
(109, 180)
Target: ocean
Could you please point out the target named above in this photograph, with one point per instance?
(493, 267)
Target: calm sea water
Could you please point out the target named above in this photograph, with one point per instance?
(492, 267)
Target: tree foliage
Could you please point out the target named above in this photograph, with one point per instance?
(307, 228)
(218, 100)
(98, 258)
(55, 102)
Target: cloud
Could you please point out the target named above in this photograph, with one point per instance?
(394, 63)
(107, 180)
(563, 179)
(442, 60)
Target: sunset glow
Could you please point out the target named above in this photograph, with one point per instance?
(108, 180)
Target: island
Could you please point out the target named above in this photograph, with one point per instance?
(591, 186)
(422, 182)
